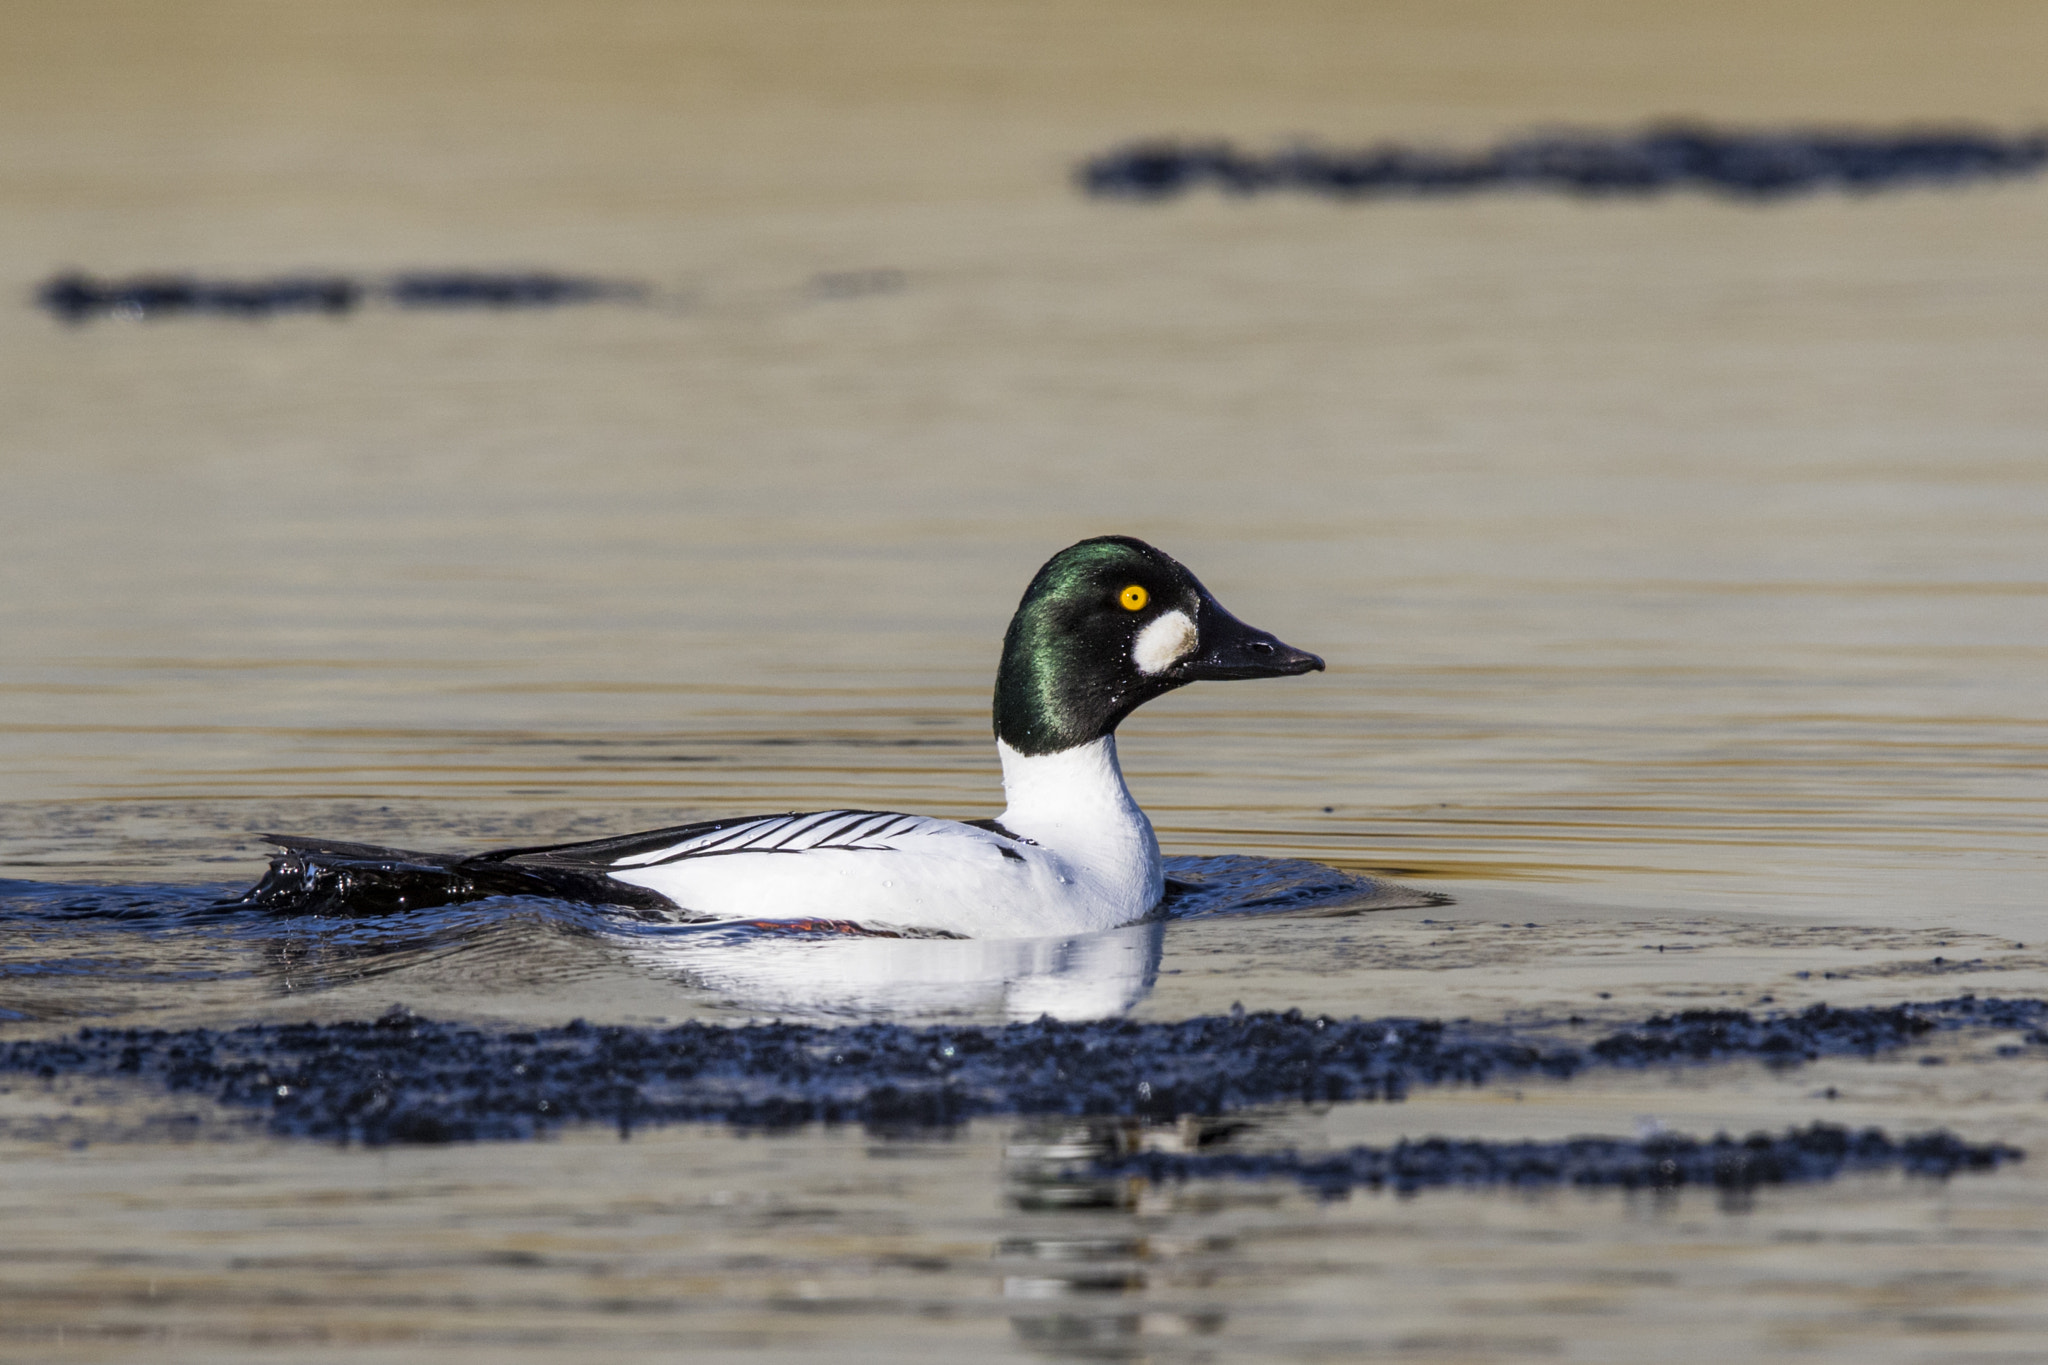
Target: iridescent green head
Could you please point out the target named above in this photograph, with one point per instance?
(1106, 626)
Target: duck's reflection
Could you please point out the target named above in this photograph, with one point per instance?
(1080, 1282)
(823, 976)
(805, 970)
(1089, 976)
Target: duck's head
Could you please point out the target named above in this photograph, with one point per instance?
(1106, 626)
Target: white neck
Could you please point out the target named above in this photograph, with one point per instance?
(1075, 803)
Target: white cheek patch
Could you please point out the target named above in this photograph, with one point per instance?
(1164, 643)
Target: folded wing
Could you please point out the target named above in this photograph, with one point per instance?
(330, 877)
(808, 832)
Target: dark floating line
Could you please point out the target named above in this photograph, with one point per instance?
(403, 1078)
(77, 297)
(473, 289)
(1744, 165)
(1667, 1161)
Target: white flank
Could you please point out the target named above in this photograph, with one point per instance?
(1164, 643)
(1091, 862)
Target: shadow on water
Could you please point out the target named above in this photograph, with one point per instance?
(75, 952)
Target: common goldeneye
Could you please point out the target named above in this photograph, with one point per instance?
(1106, 626)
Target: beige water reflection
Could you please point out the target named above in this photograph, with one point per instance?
(1682, 566)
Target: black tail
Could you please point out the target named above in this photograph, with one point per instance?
(328, 877)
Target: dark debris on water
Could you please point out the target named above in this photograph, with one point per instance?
(78, 297)
(404, 1078)
(1752, 165)
(1667, 1161)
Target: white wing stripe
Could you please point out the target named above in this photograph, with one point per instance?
(865, 827)
(832, 829)
(839, 830)
(701, 844)
(757, 832)
(806, 823)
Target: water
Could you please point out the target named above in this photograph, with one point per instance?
(1682, 568)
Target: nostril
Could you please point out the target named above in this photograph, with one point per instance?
(1259, 647)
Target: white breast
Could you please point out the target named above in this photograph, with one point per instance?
(1074, 804)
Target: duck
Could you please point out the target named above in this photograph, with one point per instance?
(1105, 626)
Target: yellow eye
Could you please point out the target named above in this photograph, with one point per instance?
(1134, 598)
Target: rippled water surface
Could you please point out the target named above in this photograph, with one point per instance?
(1682, 566)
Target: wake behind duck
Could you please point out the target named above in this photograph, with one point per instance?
(1105, 626)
